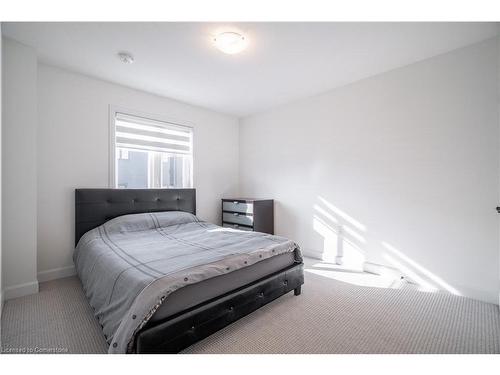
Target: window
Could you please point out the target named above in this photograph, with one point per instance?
(122, 154)
(150, 153)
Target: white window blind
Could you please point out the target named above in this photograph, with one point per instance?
(134, 132)
(152, 153)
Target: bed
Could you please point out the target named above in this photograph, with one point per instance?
(159, 279)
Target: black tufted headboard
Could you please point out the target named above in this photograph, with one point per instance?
(94, 207)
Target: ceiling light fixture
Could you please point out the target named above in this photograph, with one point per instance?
(230, 42)
(126, 57)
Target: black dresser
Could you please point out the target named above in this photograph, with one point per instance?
(248, 214)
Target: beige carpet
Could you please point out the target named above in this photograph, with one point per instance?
(330, 316)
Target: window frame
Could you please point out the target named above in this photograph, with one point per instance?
(113, 110)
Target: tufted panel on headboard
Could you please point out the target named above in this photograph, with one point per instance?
(94, 207)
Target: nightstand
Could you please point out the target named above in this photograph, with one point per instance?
(248, 214)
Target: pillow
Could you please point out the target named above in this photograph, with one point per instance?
(147, 221)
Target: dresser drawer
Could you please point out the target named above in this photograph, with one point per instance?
(249, 214)
(246, 208)
(237, 218)
(237, 226)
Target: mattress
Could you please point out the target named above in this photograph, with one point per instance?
(194, 294)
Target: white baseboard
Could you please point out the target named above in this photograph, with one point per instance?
(387, 271)
(380, 269)
(309, 253)
(375, 268)
(56, 273)
(20, 290)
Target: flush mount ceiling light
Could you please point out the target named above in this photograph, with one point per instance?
(230, 42)
(126, 57)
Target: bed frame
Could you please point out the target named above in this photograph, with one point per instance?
(94, 207)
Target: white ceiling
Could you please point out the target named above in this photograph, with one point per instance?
(284, 61)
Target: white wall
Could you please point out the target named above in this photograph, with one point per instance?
(1, 274)
(73, 153)
(498, 83)
(19, 183)
(404, 164)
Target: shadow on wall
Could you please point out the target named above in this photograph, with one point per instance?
(343, 236)
(345, 243)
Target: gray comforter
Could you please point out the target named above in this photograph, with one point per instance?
(129, 265)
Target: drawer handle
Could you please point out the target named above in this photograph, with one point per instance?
(236, 214)
(236, 202)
